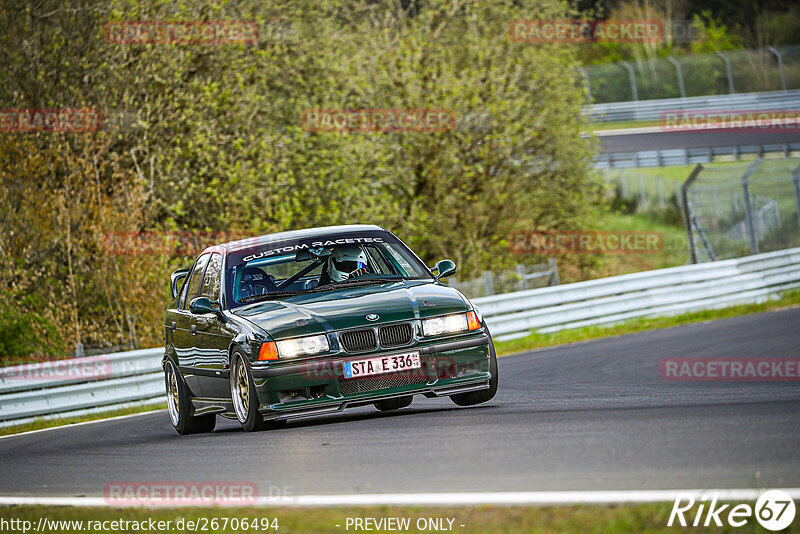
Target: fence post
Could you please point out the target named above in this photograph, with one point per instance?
(660, 193)
(624, 181)
(780, 65)
(523, 285)
(642, 193)
(748, 208)
(632, 77)
(796, 180)
(553, 267)
(679, 71)
(588, 85)
(728, 70)
(488, 282)
(687, 219)
(706, 244)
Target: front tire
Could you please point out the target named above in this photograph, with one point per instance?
(245, 398)
(485, 395)
(179, 405)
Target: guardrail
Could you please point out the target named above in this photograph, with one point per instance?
(644, 294)
(689, 156)
(135, 378)
(56, 389)
(649, 110)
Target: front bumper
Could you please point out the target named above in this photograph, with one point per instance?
(317, 386)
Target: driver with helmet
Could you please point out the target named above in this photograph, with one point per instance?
(347, 261)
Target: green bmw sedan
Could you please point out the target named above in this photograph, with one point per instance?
(310, 322)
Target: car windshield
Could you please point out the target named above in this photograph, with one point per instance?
(319, 263)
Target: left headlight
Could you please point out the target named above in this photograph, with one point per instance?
(450, 324)
(303, 346)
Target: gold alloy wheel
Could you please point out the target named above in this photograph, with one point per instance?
(172, 395)
(241, 392)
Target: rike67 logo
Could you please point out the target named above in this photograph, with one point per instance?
(774, 510)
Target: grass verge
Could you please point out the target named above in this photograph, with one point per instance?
(40, 424)
(563, 337)
(621, 125)
(583, 519)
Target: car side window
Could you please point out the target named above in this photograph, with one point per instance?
(182, 294)
(194, 282)
(211, 280)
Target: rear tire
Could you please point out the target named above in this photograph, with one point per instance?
(394, 404)
(485, 395)
(179, 404)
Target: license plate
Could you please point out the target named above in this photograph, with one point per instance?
(382, 364)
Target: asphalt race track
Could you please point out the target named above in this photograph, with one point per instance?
(591, 416)
(634, 142)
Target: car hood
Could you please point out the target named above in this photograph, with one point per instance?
(313, 313)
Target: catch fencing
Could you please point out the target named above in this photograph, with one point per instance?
(135, 378)
(721, 73)
(745, 208)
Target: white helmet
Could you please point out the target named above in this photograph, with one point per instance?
(345, 260)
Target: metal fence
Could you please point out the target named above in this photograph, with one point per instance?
(742, 71)
(40, 389)
(651, 192)
(135, 378)
(646, 294)
(521, 278)
(744, 208)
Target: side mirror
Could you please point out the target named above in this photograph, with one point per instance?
(445, 268)
(176, 277)
(201, 305)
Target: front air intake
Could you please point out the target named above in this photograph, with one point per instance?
(358, 340)
(395, 335)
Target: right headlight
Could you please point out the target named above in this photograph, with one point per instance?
(450, 324)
